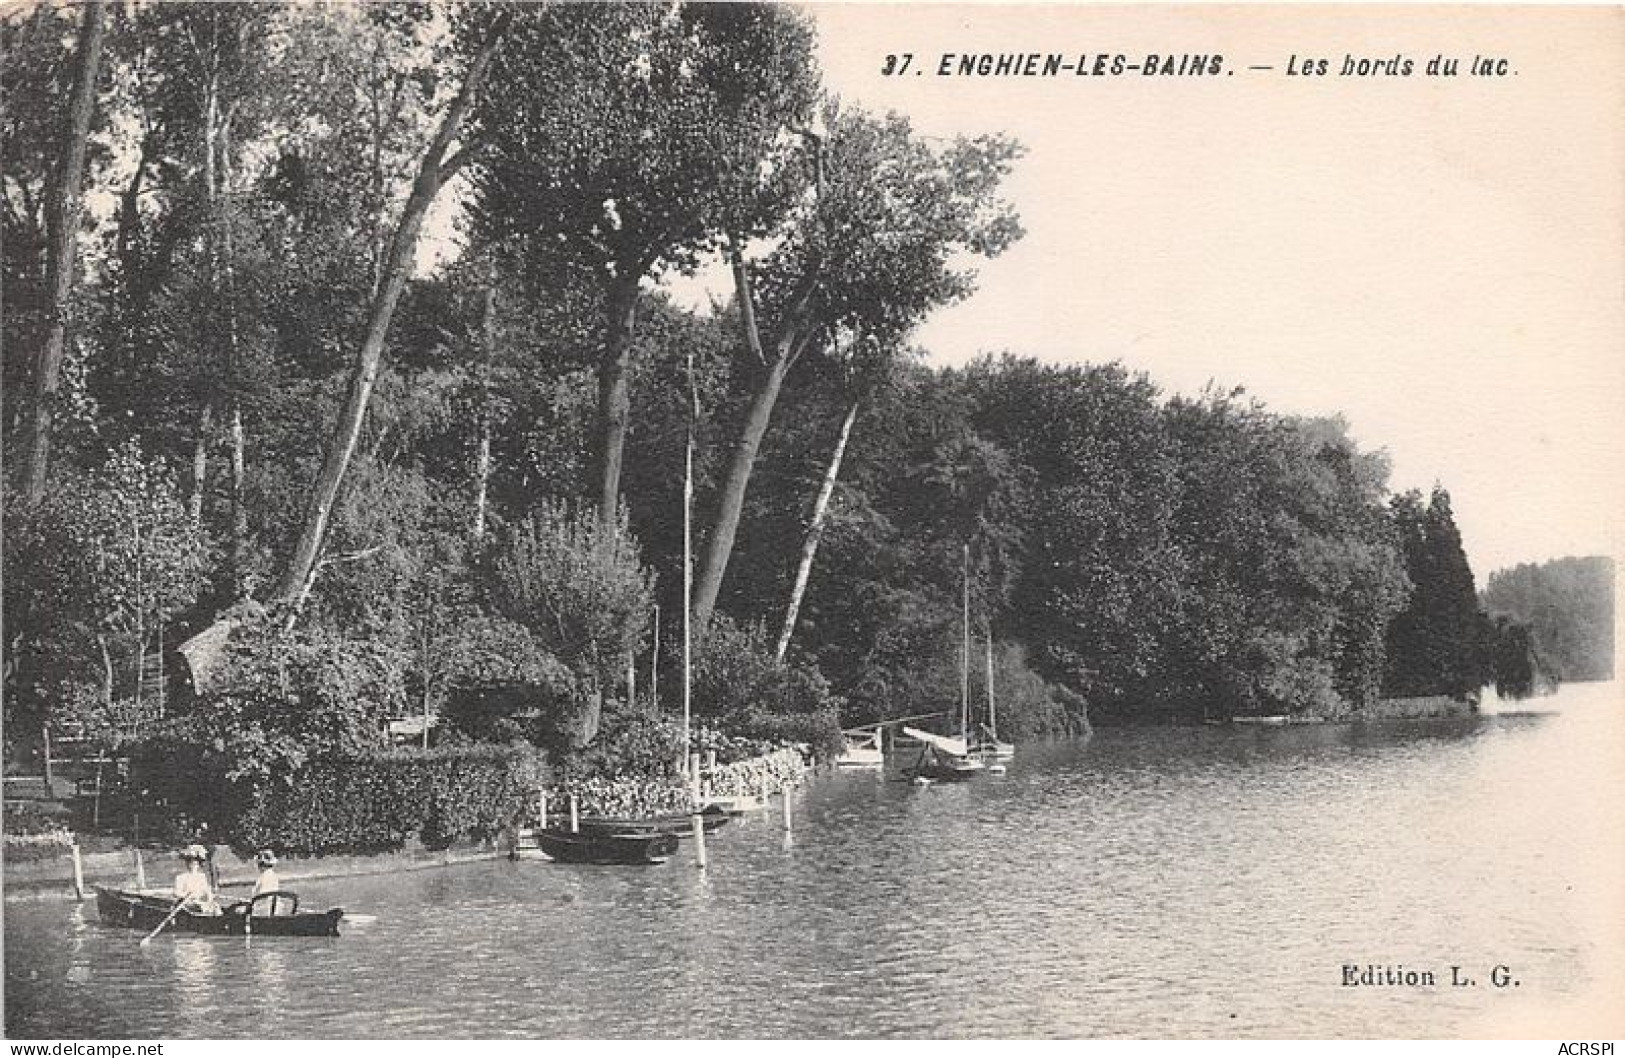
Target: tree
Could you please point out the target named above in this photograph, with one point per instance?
(618, 133)
(1436, 645)
(586, 600)
(288, 696)
(1292, 571)
(1517, 667)
(871, 251)
(1097, 578)
(219, 82)
(435, 169)
(1567, 605)
(864, 367)
(62, 219)
(92, 576)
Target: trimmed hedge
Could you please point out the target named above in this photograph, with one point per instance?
(33, 817)
(380, 802)
(769, 773)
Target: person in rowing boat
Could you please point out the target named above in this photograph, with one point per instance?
(192, 886)
(267, 882)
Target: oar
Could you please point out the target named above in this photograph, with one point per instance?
(167, 919)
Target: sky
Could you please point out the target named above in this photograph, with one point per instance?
(1441, 260)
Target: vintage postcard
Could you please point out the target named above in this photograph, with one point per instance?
(840, 520)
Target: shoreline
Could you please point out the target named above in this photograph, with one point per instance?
(53, 878)
(45, 878)
(1425, 707)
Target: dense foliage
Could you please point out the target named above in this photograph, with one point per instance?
(379, 802)
(459, 495)
(373, 801)
(281, 699)
(1440, 643)
(580, 591)
(92, 576)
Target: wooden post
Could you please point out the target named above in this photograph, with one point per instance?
(78, 872)
(96, 805)
(163, 691)
(784, 797)
(698, 823)
(140, 866)
(654, 666)
(541, 809)
(50, 791)
(575, 820)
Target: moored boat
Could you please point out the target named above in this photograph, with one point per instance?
(629, 848)
(268, 915)
(945, 759)
(950, 759)
(948, 769)
(677, 824)
(732, 805)
(862, 749)
(991, 749)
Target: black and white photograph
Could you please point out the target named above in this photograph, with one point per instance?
(863, 521)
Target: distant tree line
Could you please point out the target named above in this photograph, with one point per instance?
(461, 494)
(1567, 605)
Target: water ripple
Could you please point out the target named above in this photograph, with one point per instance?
(1192, 882)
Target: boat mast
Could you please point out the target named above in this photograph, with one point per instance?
(992, 722)
(964, 651)
(688, 560)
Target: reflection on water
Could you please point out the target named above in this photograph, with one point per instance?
(1204, 881)
(193, 979)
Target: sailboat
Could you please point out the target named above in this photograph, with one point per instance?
(943, 758)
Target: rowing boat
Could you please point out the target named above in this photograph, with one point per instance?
(678, 824)
(570, 847)
(273, 915)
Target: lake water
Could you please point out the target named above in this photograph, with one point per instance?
(1207, 882)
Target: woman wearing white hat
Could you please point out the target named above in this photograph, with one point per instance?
(267, 882)
(192, 887)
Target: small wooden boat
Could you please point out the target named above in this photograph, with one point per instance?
(267, 915)
(948, 769)
(570, 847)
(735, 805)
(677, 824)
(861, 749)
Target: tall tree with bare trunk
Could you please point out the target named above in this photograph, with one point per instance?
(874, 246)
(435, 168)
(865, 365)
(62, 219)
